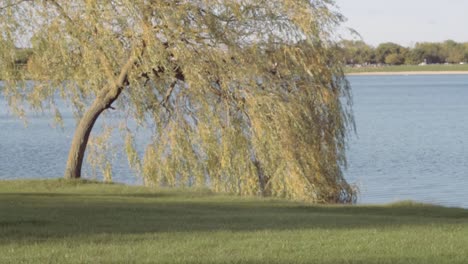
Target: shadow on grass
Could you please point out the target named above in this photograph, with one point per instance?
(40, 216)
(336, 261)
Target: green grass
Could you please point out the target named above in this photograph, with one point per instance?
(57, 221)
(410, 68)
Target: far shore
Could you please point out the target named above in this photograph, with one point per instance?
(409, 73)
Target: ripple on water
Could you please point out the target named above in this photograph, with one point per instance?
(411, 144)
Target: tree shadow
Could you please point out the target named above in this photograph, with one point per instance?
(366, 260)
(40, 216)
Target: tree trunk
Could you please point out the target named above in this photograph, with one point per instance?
(261, 177)
(103, 101)
(80, 139)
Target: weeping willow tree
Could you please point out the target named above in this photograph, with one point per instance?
(245, 96)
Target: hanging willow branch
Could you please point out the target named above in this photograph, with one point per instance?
(245, 96)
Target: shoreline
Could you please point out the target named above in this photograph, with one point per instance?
(385, 73)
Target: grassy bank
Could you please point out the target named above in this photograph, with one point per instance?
(77, 222)
(410, 68)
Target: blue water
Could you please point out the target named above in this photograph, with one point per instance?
(411, 142)
(412, 139)
(39, 147)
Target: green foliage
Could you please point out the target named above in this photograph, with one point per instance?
(431, 52)
(85, 222)
(394, 59)
(454, 52)
(244, 96)
(393, 50)
(357, 52)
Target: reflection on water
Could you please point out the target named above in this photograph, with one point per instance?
(411, 142)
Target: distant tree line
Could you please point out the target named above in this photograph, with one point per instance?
(358, 52)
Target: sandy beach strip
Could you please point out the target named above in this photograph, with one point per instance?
(408, 73)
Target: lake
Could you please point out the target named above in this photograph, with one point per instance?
(411, 141)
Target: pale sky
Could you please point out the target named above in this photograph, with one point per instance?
(406, 21)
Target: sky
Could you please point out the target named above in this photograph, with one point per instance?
(406, 22)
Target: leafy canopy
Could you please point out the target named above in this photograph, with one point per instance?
(245, 96)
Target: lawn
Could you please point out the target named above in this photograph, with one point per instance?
(58, 221)
(410, 68)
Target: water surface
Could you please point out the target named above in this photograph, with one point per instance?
(411, 142)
